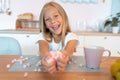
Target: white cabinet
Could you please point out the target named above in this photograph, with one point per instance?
(95, 40)
(27, 42)
(109, 42)
(79, 49)
(30, 47)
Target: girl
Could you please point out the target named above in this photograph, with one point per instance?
(55, 36)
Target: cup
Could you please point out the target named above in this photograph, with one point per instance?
(93, 56)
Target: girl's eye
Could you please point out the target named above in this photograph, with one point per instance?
(47, 19)
(56, 16)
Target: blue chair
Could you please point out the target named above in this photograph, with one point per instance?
(9, 46)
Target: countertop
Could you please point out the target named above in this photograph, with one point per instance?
(36, 31)
(13, 31)
(97, 34)
(23, 75)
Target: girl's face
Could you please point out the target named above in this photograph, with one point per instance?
(53, 20)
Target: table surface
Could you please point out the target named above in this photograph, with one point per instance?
(5, 74)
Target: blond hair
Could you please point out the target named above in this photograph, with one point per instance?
(66, 28)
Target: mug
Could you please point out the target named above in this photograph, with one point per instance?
(93, 56)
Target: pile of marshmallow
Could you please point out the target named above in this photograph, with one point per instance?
(54, 56)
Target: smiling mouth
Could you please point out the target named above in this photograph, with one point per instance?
(56, 27)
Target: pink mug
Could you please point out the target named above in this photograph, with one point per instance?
(93, 56)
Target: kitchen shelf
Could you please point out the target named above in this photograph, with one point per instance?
(24, 24)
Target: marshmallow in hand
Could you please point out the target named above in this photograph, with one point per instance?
(56, 54)
(49, 59)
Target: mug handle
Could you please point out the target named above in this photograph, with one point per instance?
(109, 53)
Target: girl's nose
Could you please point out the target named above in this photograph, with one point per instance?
(52, 20)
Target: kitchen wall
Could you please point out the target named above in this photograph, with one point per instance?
(82, 16)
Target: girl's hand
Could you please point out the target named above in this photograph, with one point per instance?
(62, 62)
(49, 64)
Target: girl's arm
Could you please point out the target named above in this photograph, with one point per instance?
(67, 52)
(44, 54)
(43, 48)
(71, 47)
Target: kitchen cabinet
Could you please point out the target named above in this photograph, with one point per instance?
(79, 49)
(27, 42)
(108, 42)
(30, 47)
